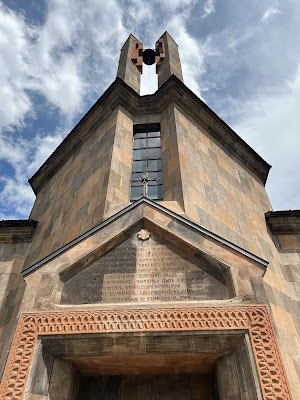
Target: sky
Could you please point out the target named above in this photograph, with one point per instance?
(57, 57)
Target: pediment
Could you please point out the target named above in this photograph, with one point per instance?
(197, 257)
(146, 267)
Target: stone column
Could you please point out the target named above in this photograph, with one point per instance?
(169, 63)
(131, 63)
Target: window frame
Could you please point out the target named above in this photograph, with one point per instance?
(146, 132)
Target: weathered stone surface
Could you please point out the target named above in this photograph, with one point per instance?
(153, 270)
(146, 387)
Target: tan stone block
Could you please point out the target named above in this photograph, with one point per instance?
(126, 159)
(290, 368)
(272, 279)
(34, 278)
(278, 316)
(127, 123)
(194, 195)
(183, 121)
(81, 249)
(226, 163)
(289, 241)
(173, 164)
(225, 218)
(290, 325)
(191, 211)
(156, 217)
(73, 233)
(173, 206)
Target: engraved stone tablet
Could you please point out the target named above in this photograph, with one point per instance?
(151, 270)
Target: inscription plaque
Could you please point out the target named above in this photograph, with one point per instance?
(145, 271)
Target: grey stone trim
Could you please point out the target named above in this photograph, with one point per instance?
(17, 230)
(102, 225)
(284, 222)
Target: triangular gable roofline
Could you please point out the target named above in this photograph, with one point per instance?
(172, 91)
(157, 206)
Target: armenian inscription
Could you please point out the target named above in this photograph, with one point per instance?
(151, 270)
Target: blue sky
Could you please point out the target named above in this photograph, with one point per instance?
(57, 57)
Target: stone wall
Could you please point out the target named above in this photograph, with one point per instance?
(283, 289)
(91, 182)
(12, 288)
(218, 192)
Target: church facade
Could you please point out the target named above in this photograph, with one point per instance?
(152, 265)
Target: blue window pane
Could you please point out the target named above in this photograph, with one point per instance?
(140, 134)
(153, 179)
(154, 153)
(137, 175)
(159, 192)
(139, 143)
(157, 174)
(139, 166)
(154, 165)
(136, 192)
(154, 142)
(139, 154)
(152, 192)
(155, 192)
(153, 133)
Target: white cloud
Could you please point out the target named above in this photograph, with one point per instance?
(25, 157)
(54, 59)
(14, 46)
(274, 117)
(65, 60)
(189, 49)
(208, 8)
(271, 11)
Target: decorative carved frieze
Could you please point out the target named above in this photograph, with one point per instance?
(253, 318)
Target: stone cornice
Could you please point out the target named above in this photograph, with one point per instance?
(173, 91)
(12, 231)
(284, 222)
(141, 202)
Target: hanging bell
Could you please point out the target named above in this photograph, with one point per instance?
(149, 56)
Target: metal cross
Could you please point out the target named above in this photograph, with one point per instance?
(145, 179)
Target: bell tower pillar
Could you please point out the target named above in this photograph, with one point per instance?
(169, 63)
(131, 63)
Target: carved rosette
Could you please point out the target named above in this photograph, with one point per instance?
(255, 319)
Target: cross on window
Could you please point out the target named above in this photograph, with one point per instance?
(145, 180)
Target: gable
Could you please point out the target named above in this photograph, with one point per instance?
(189, 241)
(146, 269)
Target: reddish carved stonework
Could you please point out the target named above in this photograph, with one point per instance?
(255, 319)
